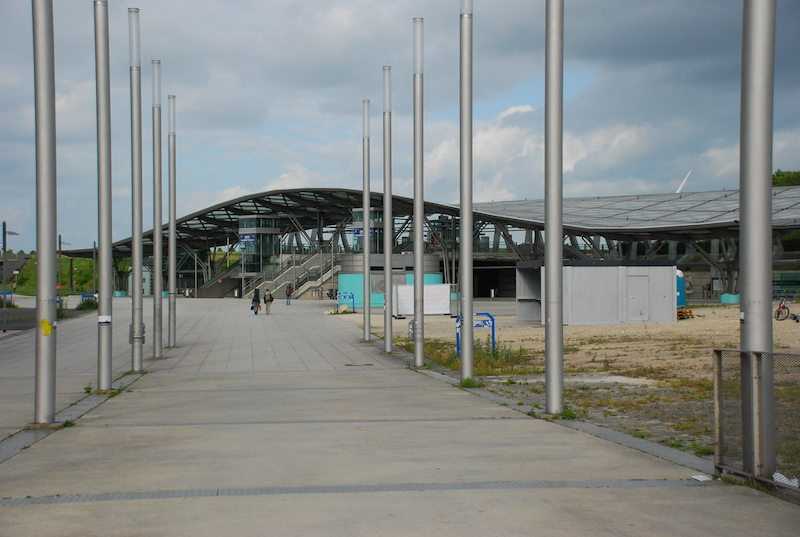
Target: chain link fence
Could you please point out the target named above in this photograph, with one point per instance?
(757, 409)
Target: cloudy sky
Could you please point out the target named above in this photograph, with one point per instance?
(269, 96)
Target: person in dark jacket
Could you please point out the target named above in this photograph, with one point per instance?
(289, 290)
(256, 302)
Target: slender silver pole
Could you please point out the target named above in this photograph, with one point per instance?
(172, 247)
(158, 238)
(554, 235)
(105, 285)
(755, 231)
(465, 254)
(4, 276)
(419, 204)
(46, 209)
(388, 220)
(137, 256)
(367, 220)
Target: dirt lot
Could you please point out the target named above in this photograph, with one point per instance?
(649, 380)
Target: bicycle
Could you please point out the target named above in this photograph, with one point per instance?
(782, 312)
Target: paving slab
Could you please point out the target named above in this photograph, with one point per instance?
(276, 425)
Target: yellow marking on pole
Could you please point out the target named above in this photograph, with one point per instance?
(47, 328)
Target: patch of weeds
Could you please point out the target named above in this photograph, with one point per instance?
(537, 388)
(471, 383)
(69, 423)
(673, 442)
(520, 403)
(509, 381)
(87, 303)
(681, 425)
(657, 373)
(571, 349)
(702, 450)
(639, 435)
(571, 414)
(486, 360)
(61, 308)
(88, 388)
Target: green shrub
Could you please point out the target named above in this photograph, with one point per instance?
(87, 303)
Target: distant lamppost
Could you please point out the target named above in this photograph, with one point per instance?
(5, 299)
(60, 244)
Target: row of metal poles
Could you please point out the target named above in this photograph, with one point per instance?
(554, 76)
(758, 51)
(46, 189)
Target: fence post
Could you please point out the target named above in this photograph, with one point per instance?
(719, 455)
(763, 415)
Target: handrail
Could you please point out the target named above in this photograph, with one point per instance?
(271, 277)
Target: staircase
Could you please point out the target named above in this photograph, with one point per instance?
(222, 284)
(310, 275)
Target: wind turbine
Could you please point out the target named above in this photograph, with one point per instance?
(680, 188)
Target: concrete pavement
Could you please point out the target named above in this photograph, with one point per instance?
(288, 424)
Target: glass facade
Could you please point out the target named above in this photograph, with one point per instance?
(376, 238)
(260, 242)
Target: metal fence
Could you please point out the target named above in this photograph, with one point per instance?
(757, 410)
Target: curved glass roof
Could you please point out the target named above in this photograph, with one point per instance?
(685, 216)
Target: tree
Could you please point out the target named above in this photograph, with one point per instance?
(782, 178)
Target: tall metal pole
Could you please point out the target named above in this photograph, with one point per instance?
(755, 230)
(554, 233)
(465, 216)
(158, 248)
(4, 276)
(367, 220)
(105, 285)
(46, 208)
(419, 204)
(388, 220)
(137, 257)
(172, 247)
(6, 233)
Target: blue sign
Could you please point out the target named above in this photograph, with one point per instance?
(488, 322)
(358, 232)
(247, 238)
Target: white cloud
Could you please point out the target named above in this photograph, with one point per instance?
(721, 161)
(515, 110)
(297, 176)
(269, 93)
(606, 148)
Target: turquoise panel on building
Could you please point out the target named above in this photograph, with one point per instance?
(353, 283)
(430, 279)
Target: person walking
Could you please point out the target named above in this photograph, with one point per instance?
(256, 303)
(268, 298)
(289, 290)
